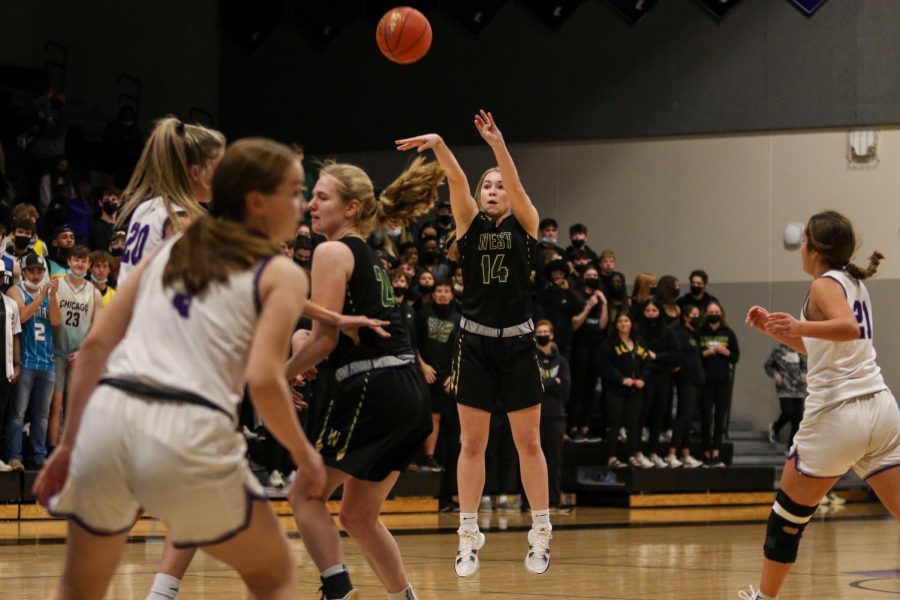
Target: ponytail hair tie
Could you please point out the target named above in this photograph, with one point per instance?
(179, 126)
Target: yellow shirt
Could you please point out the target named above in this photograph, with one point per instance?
(107, 295)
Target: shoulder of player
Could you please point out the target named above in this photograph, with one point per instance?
(281, 273)
(827, 286)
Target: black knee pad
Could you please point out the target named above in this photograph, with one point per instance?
(781, 546)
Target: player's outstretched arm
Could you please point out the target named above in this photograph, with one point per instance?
(462, 204)
(522, 208)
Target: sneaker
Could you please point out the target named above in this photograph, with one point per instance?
(538, 558)
(578, 438)
(289, 480)
(672, 461)
(593, 438)
(430, 464)
(623, 435)
(658, 462)
(485, 505)
(470, 542)
(666, 436)
(834, 499)
(5, 468)
(773, 435)
(505, 503)
(250, 436)
(717, 463)
(645, 462)
(16, 465)
(276, 479)
(689, 462)
(750, 594)
(615, 463)
(645, 435)
(449, 507)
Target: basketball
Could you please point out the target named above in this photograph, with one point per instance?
(403, 35)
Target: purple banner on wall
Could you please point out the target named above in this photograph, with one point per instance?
(808, 6)
(718, 7)
(632, 10)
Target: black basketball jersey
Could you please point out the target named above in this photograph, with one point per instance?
(497, 263)
(370, 293)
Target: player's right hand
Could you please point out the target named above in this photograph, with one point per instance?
(757, 317)
(53, 475)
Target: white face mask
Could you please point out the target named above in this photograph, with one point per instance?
(394, 233)
(75, 275)
(100, 281)
(31, 287)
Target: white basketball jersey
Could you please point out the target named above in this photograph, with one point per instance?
(77, 308)
(197, 344)
(146, 230)
(843, 370)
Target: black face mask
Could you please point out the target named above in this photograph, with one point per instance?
(651, 321)
(581, 268)
(399, 291)
(430, 258)
(592, 283)
(616, 286)
(695, 322)
(441, 310)
(696, 290)
(713, 319)
(116, 251)
(306, 263)
(426, 289)
(110, 208)
(22, 241)
(652, 290)
(445, 220)
(578, 243)
(542, 340)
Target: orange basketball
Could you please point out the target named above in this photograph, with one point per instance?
(403, 35)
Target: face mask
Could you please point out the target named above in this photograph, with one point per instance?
(441, 310)
(549, 240)
(581, 268)
(394, 233)
(696, 290)
(542, 340)
(75, 275)
(445, 220)
(31, 287)
(399, 291)
(426, 289)
(578, 243)
(651, 321)
(695, 322)
(306, 263)
(431, 257)
(714, 319)
(116, 251)
(616, 286)
(100, 282)
(592, 283)
(457, 289)
(22, 241)
(110, 208)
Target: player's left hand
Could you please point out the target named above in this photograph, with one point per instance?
(783, 324)
(53, 475)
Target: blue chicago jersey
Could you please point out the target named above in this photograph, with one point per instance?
(37, 337)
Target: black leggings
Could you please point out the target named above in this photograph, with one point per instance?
(623, 410)
(688, 399)
(791, 412)
(586, 361)
(657, 395)
(716, 396)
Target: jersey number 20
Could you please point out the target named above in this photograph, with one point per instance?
(134, 245)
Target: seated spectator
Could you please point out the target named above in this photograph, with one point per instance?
(643, 290)
(560, 303)
(698, 296)
(103, 226)
(578, 236)
(625, 371)
(556, 383)
(101, 260)
(63, 240)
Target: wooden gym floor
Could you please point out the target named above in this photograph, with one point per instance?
(695, 553)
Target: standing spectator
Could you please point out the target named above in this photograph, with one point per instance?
(626, 364)
(22, 242)
(11, 357)
(103, 226)
(425, 289)
(548, 236)
(578, 236)
(667, 299)
(432, 259)
(555, 379)
(48, 133)
(303, 253)
(720, 354)
(57, 181)
(689, 380)
(589, 327)
(607, 266)
(79, 302)
(644, 289)
(616, 296)
(662, 345)
(34, 243)
(458, 285)
(63, 241)
(100, 268)
(437, 325)
(400, 284)
(78, 213)
(39, 311)
(698, 296)
(560, 303)
(116, 247)
(445, 224)
(788, 368)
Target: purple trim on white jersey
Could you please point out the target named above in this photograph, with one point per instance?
(833, 278)
(251, 498)
(795, 455)
(256, 277)
(882, 470)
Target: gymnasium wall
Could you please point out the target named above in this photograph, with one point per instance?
(764, 67)
(668, 206)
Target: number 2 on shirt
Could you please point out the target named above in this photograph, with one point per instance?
(862, 314)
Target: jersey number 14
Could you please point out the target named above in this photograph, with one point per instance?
(492, 268)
